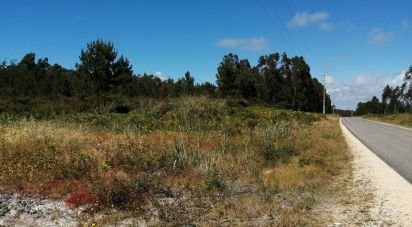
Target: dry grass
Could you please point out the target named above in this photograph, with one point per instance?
(404, 120)
(254, 166)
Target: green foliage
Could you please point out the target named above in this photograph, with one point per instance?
(227, 73)
(104, 82)
(286, 83)
(394, 99)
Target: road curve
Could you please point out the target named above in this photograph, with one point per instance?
(392, 144)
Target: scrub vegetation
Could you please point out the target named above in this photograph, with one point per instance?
(191, 160)
(118, 146)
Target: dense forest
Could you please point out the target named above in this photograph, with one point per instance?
(103, 81)
(394, 99)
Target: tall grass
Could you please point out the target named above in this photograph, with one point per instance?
(215, 160)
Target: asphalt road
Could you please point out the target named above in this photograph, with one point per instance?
(392, 144)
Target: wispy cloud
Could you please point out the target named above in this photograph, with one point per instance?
(330, 79)
(406, 24)
(304, 19)
(250, 44)
(326, 26)
(360, 88)
(377, 36)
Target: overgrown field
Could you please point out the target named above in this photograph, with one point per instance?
(182, 161)
(404, 120)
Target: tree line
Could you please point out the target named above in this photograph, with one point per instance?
(393, 100)
(102, 78)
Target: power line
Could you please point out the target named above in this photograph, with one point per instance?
(276, 26)
(315, 60)
(284, 26)
(299, 30)
(288, 37)
(303, 36)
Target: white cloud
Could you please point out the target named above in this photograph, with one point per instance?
(361, 80)
(330, 80)
(161, 76)
(377, 36)
(398, 80)
(360, 88)
(250, 44)
(305, 18)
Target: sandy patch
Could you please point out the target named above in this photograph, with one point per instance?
(391, 201)
(17, 210)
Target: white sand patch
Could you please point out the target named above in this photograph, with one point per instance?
(392, 193)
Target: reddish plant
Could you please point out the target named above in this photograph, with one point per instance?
(81, 197)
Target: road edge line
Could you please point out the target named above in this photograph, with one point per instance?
(384, 123)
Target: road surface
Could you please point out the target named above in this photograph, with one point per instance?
(392, 144)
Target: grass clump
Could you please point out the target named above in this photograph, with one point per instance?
(214, 181)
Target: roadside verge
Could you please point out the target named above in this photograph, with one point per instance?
(388, 124)
(392, 194)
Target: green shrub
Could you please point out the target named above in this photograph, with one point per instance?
(273, 154)
(121, 108)
(6, 118)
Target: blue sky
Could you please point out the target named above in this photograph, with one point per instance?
(359, 45)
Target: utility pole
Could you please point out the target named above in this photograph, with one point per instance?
(324, 93)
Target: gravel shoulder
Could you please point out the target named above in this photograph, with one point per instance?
(390, 195)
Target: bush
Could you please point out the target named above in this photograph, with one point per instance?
(163, 109)
(123, 193)
(273, 154)
(78, 166)
(121, 108)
